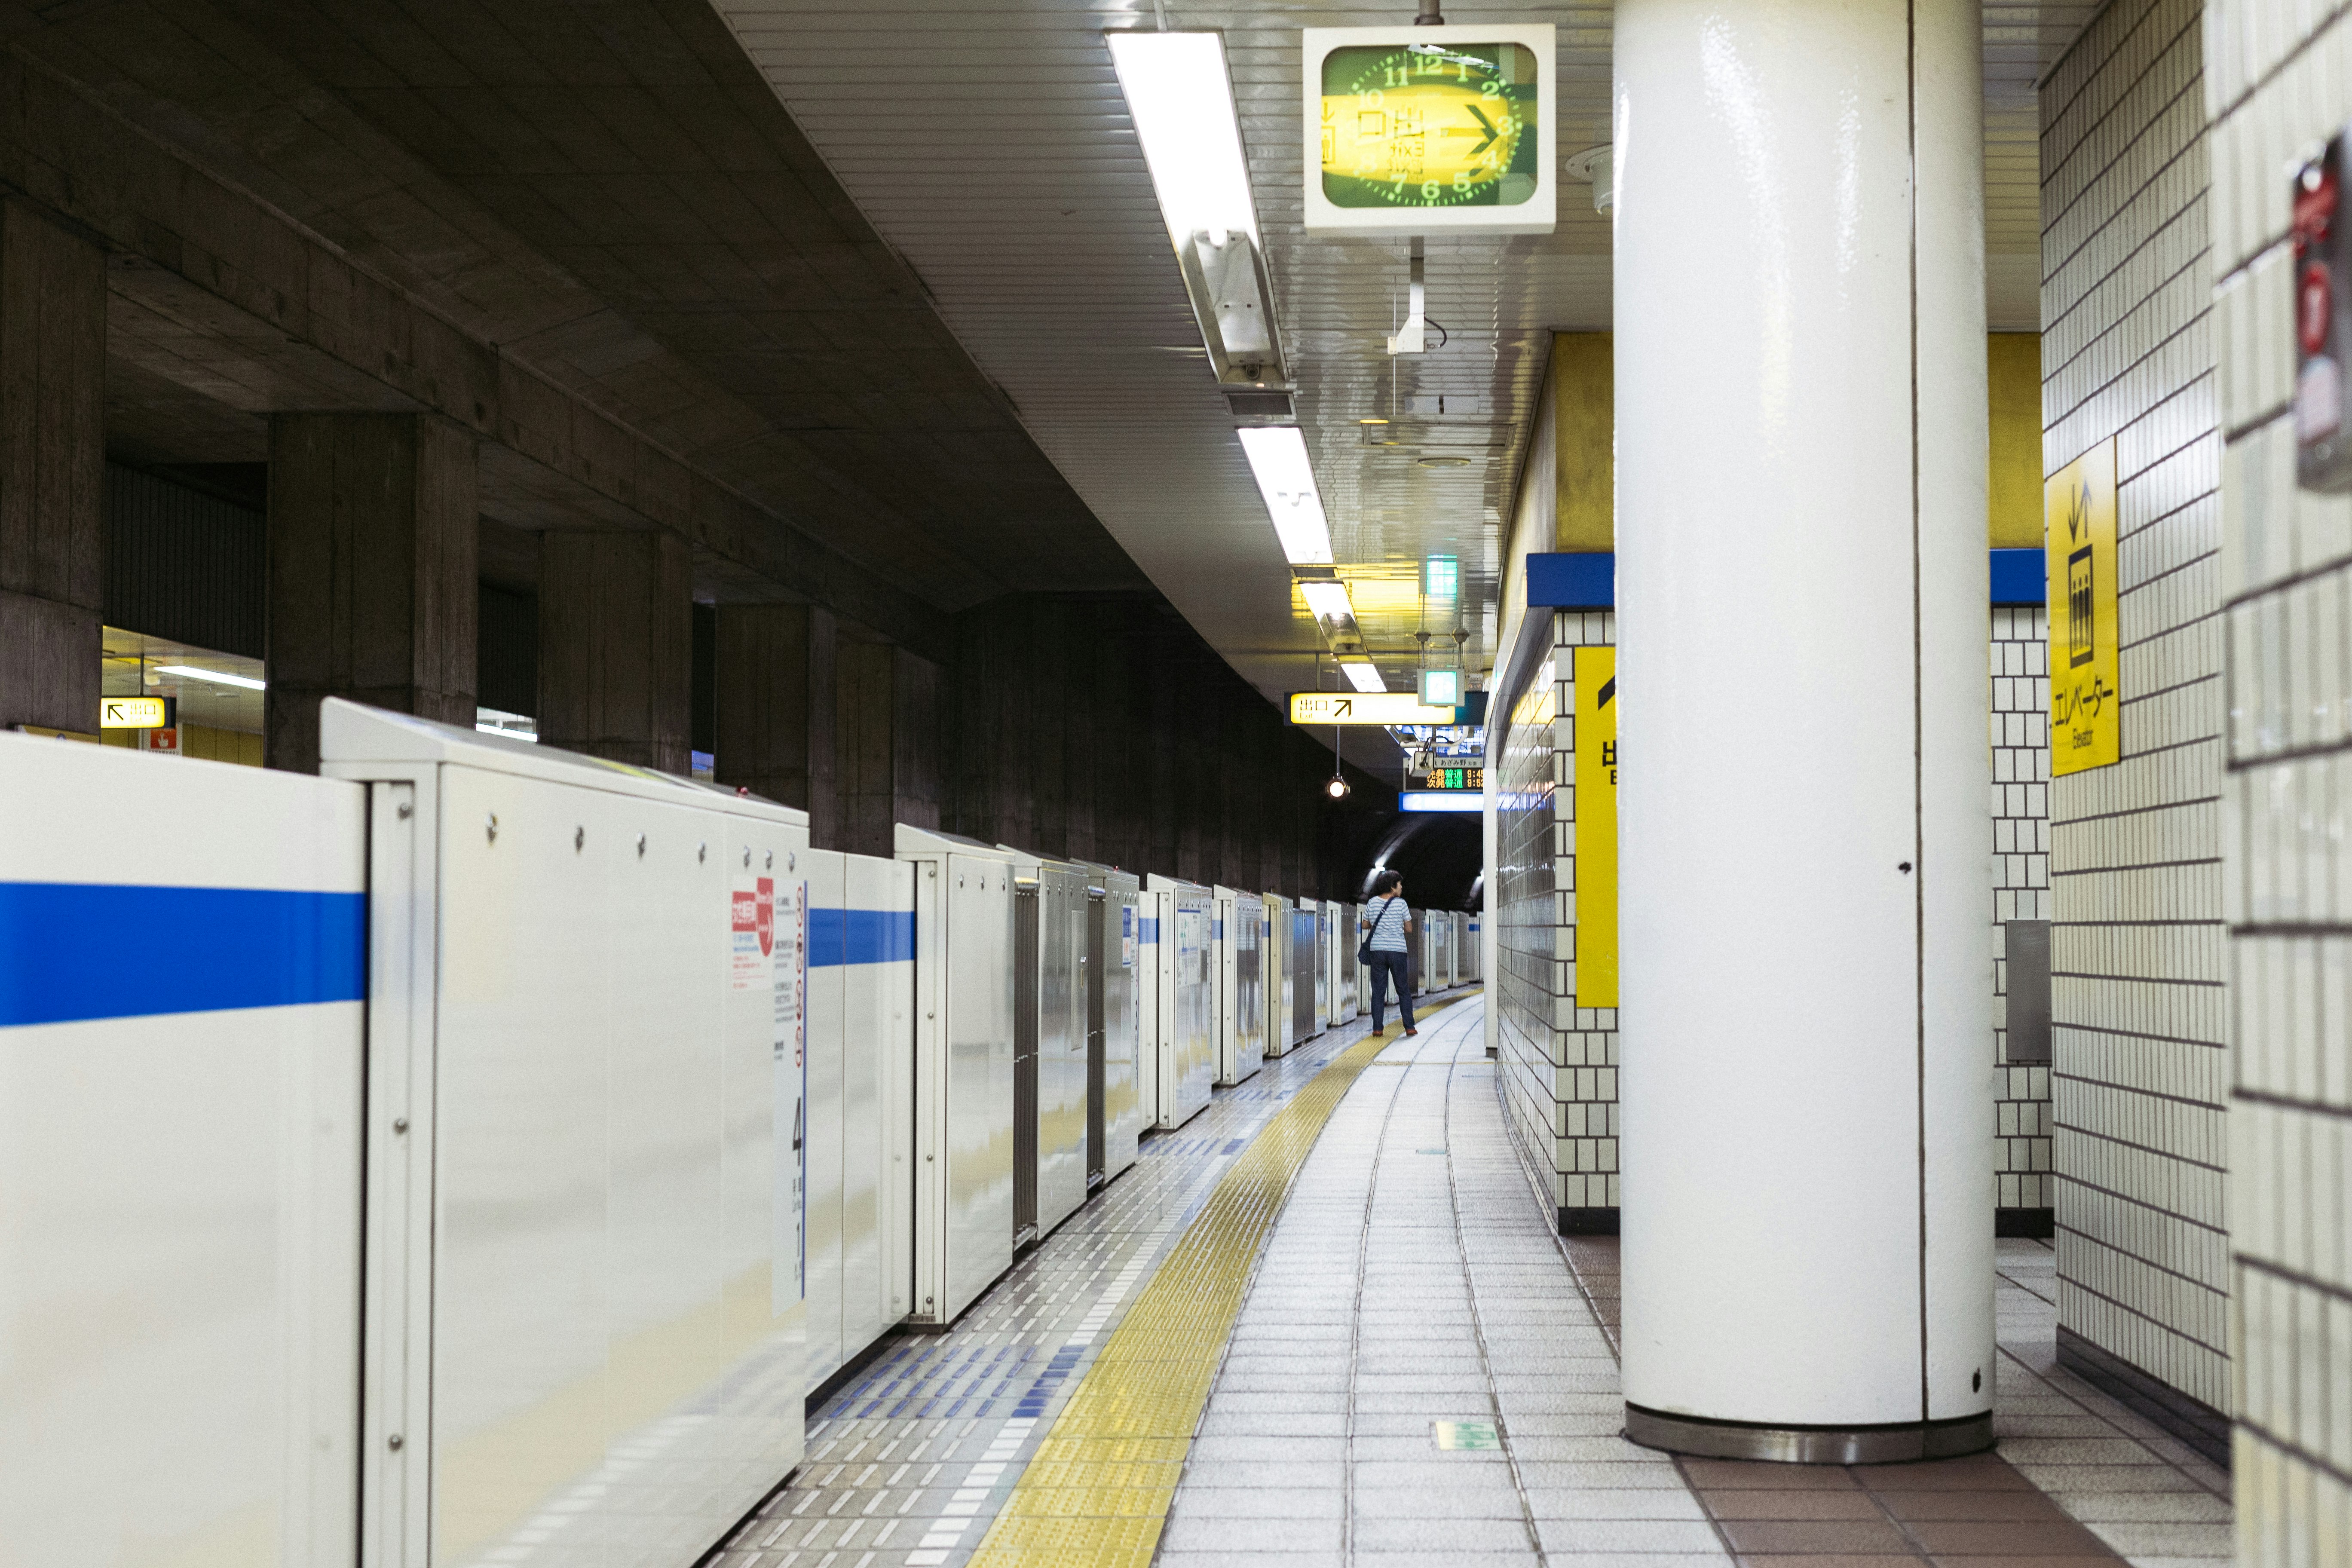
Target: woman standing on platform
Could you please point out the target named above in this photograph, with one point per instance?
(1387, 930)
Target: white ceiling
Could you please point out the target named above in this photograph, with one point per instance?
(989, 144)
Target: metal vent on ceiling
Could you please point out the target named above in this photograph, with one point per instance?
(1259, 404)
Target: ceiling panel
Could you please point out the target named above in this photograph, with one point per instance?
(990, 146)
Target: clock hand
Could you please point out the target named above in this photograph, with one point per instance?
(1488, 125)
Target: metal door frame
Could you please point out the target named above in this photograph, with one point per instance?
(1025, 912)
(1090, 969)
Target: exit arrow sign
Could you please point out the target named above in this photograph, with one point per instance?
(1382, 708)
(135, 712)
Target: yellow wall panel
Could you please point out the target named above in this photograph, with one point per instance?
(2013, 496)
(1584, 407)
(1583, 388)
(220, 745)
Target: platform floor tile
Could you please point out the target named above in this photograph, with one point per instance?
(911, 1461)
(1480, 1408)
(1386, 1357)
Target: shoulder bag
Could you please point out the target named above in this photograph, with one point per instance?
(1364, 948)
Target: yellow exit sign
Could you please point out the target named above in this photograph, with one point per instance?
(1367, 708)
(135, 713)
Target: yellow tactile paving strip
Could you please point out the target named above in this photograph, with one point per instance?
(1096, 1492)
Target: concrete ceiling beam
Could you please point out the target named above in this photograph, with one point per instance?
(225, 295)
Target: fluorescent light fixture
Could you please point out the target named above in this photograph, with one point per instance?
(1335, 612)
(1277, 460)
(1182, 101)
(1328, 601)
(1440, 800)
(513, 726)
(218, 677)
(1362, 675)
(1182, 104)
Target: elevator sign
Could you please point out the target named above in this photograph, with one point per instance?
(2078, 519)
(1595, 805)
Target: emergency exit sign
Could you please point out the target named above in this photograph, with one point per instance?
(134, 713)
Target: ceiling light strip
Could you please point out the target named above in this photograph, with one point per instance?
(218, 677)
(1286, 479)
(1182, 102)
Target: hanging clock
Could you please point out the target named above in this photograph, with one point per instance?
(1430, 130)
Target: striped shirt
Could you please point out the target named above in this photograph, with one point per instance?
(1386, 922)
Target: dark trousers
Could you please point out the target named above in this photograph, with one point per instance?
(1385, 967)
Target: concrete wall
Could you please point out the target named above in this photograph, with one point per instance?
(778, 687)
(373, 527)
(2140, 1034)
(52, 470)
(2273, 91)
(1101, 727)
(887, 748)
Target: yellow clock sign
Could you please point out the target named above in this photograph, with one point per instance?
(2078, 519)
(1426, 130)
(1422, 125)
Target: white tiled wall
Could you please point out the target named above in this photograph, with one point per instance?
(1528, 974)
(2020, 884)
(2278, 81)
(1558, 1061)
(2138, 1005)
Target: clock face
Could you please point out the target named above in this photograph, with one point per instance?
(1429, 125)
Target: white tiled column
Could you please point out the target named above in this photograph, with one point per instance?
(1801, 588)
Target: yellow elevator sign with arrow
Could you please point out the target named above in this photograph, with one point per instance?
(1594, 805)
(2078, 519)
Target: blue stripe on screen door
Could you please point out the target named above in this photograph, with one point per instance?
(76, 951)
(860, 936)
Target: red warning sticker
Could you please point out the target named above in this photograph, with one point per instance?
(751, 931)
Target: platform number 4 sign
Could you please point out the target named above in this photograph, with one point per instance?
(2078, 513)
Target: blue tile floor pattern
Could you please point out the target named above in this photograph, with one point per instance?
(909, 1461)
